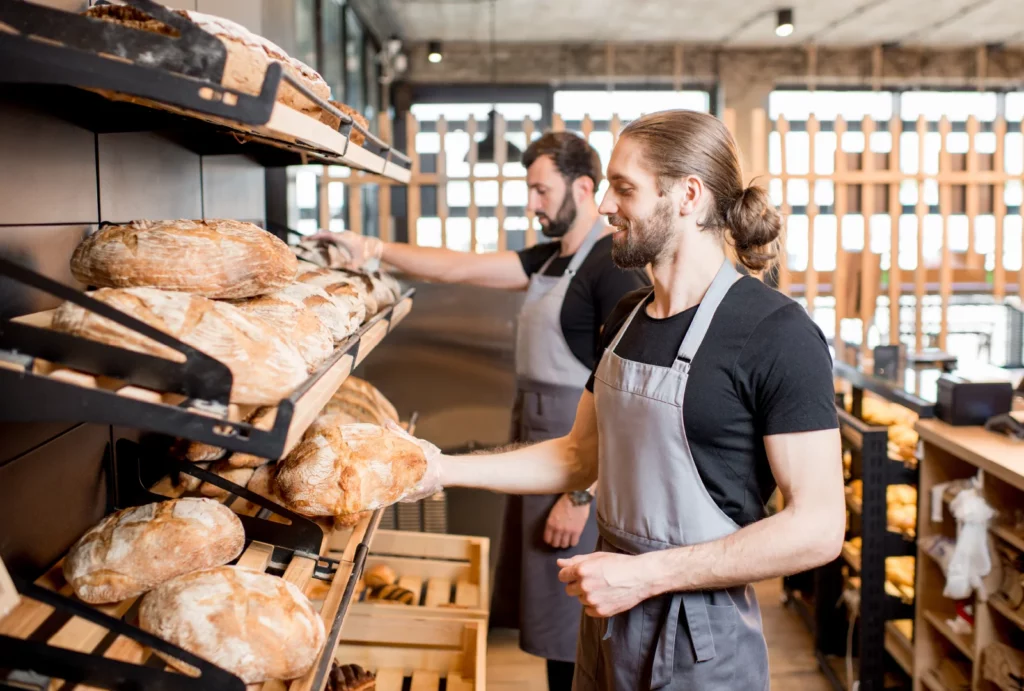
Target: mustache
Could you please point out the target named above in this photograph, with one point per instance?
(618, 221)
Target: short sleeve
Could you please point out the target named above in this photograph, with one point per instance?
(786, 369)
(533, 258)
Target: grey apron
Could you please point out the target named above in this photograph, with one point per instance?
(549, 383)
(650, 497)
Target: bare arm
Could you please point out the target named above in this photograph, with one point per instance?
(559, 465)
(490, 269)
(807, 532)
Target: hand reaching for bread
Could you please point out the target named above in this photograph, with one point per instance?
(430, 482)
(361, 248)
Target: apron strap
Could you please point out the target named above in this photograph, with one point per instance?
(584, 249)
(699, 626)
(724, 279)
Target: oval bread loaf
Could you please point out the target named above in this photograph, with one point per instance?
(133, 550)
(254, 625)
(216, 258)
(265, 368)
(298, 325)
(344, 469)
(342, 315)
(340, 285)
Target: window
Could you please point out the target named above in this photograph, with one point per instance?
(332, 67)
(355, 86)
(447, 222)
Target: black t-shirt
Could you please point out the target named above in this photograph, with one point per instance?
(763, 368)
(593, 292)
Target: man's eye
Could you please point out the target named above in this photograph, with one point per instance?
(624, 191)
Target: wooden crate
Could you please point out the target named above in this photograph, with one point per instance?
(447, 573)
(453, 650)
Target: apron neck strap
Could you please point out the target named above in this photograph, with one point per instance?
(723, 280)
(625, 325)
(584, 249)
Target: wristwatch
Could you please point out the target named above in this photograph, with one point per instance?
(580, 497)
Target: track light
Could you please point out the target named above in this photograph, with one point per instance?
(784, 22)
(434, 51)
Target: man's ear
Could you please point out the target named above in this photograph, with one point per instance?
(582, 189)
(691, 191)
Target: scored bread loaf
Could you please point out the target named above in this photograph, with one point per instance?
(355, 136)
(360, 387)
(343, 315)
(262, 482)
(238, 475)
(350, 677)
(340, 285)
(379, 574)
(216, 258)
(254, 625)
(197, 451)
(265, 368)
(343, 469)
(297, 323)
(327, 255)
(248, 55)
(133, 550)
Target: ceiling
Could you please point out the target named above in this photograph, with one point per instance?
(733, 22)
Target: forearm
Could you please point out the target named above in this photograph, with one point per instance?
(547, 467)
(780, 545)
(432, 263)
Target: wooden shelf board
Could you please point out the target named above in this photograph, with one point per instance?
(900, 647)
(1008, 536)
(999, 604)
(993, 453)
(931, 681)
(963, 643)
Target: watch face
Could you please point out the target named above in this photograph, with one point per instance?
(580, 497)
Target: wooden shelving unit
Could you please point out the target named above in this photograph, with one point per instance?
(952, 453)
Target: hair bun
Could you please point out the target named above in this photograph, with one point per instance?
(755, 226)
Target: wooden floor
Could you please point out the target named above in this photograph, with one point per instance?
(790, 653)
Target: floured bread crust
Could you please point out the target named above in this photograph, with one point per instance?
(341, 314)
(340, 285)
(254, 625)
(248, 54)
(136, 549)
(221, 259)
(297, 323)
(265, 368)
(344, 469)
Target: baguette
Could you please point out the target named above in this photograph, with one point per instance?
(265, 368)
(248, 55)
(338, 470)
(133, 550)
(216, 258)
(254, 625)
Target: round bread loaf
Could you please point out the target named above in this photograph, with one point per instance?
(254, 625)
(133, 550)
(339, 285)
(264, 367)
(297, 323)
(344, 469)
(216, 258)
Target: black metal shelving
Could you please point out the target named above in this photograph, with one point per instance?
(205, 383)
(889, 389)
(112, 78)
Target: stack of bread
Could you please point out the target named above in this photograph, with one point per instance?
(899, 572)
(901, 505)
(248, 56)
(227, 288)
(175, 553)
(899, 420)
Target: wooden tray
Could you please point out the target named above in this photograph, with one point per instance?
(447, 573)
(162, 412)
(453, 650)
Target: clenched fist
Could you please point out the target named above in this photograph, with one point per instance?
(605, 583)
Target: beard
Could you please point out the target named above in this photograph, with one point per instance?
(563, 220)
(645, 241)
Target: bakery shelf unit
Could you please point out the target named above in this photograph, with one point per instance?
(986, 656)
(51, 636)
(111, 78)
(53, 376)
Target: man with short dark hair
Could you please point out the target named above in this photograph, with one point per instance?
(571, 287)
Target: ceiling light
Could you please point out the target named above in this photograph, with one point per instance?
(434, 51)
(784, 22)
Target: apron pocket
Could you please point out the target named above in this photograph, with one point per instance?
(679, 667)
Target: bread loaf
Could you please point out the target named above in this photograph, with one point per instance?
(381, 294)
(343, 315)
(349, 520)
(254, 625)
(360, 387)
(216, 258)
(248, 55)
(198, 452)
(326, 255)
(265, 368)
(133, 550)
(262, 482)
(190, 483)
(340, 285)
(379, 574)
(355, 136)
(350, 678)
(297, 323)
(338, 469)
(390, 593)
